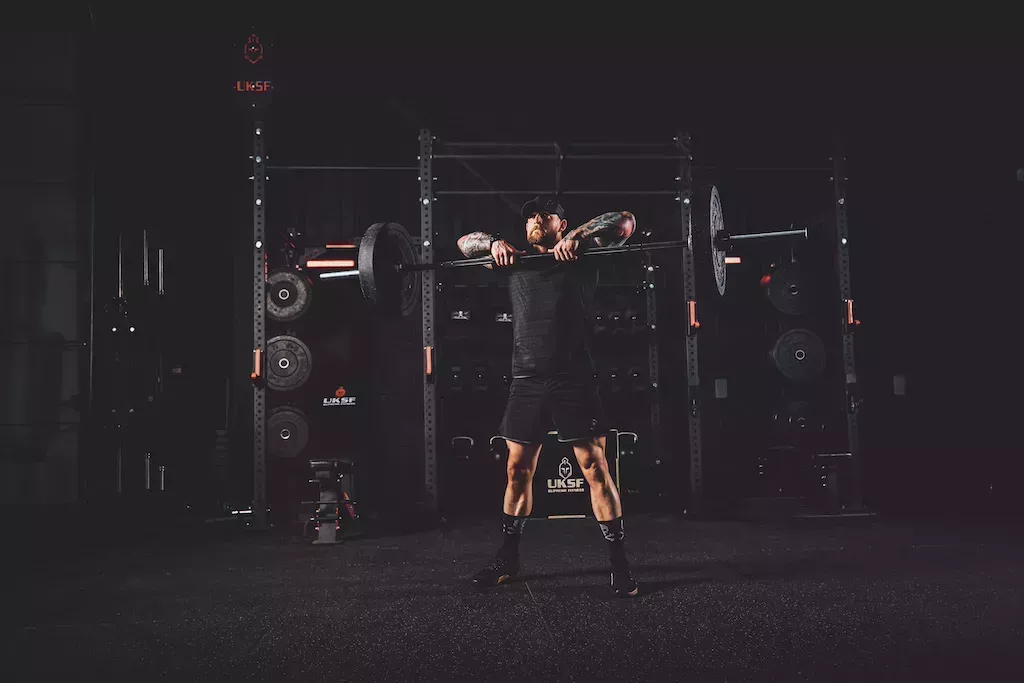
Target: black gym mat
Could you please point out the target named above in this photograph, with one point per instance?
(720, 602)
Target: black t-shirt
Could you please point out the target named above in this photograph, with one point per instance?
(550, 304)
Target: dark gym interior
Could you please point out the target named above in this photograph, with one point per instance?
(178, 504)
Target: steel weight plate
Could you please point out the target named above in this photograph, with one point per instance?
(798, 423)
(799, 355)
(788, 290)
(289, 363)
(287, 432)
(288, 295)
(390, 291)
(716, 225)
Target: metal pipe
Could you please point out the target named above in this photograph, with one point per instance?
(512, 206)
(484, 260)
(758, 169)
(763, 235)
(40, 262)
(342, 168)
(149, 459)
(339, 273)
(120, 266)
(160, 271)
(779, 168)
(598, 251)
(555, 156)
(505, 144)
(67, 343)
(622, 145)
(570, 145)
(563, 193)
(145, 259)
(485, 157)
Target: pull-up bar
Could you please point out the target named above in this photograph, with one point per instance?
(581, 193)
(343, 168)
(578, 145)
(555, 157)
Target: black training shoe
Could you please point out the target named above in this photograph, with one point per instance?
(622, 583)
(497, 572)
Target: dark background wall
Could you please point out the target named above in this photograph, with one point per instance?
(935, 208)
(43, 268)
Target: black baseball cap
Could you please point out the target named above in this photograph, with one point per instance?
(542, 203)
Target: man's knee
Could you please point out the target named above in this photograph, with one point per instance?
(592, 460)
(521, 462)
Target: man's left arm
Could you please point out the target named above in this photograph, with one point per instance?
(607, 230)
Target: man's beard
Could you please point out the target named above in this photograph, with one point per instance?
(539, 238)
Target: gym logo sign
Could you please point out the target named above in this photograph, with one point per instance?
(256, 87)
(567, 483)
(253, 51)
(339, 399)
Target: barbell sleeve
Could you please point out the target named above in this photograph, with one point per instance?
(339, 273)
(768, 235)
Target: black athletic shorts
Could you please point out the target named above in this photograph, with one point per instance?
(570, 404)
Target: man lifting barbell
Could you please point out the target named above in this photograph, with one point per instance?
(552, 367)
(553, 372)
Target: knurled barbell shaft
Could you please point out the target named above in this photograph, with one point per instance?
(599, 251)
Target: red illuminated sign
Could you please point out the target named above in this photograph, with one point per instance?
(252, 86)
(253, 49)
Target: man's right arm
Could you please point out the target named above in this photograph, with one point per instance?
(475, 244)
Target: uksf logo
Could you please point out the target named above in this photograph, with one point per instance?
(252, 86)
(567, 483)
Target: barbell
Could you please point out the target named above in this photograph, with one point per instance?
(388, 269)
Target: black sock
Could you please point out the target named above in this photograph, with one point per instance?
(615, 535)
(511, 531)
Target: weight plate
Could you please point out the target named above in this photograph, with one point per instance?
(391, 292)
(799, 355)
(289, 363)
(716, 225)
(287, 432)
(798, 422)
(787, 290)
(706, 223)
(288, 295)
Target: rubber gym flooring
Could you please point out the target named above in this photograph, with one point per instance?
(721, 601)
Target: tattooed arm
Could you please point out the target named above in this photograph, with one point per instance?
(475, 244)
(482, 244)
(606, 230)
